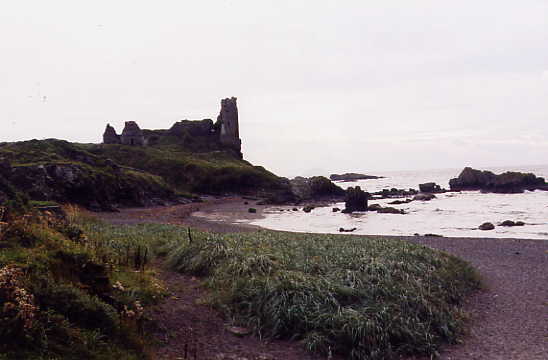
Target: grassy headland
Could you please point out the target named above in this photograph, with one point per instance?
(107, 176)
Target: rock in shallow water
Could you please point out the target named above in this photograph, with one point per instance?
(355, 200)
(487, 181)
(486, 226)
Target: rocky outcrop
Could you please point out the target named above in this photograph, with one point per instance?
(96, 190)
(355, 200)
(352, 177)
(431, 187)
(390, 210)
(315, 188)
(110, 136)
(400, 202)
(487, 181)
(394, 193)
(132, 134)
(347, 230)
(511, 223)
(486, 226)
(384, 210)
(424, 197)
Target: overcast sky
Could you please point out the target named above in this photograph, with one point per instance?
(322, 86)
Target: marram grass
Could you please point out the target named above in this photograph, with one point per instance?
(360, 297)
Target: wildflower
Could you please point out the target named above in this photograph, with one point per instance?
(20, 303)
(118, 285)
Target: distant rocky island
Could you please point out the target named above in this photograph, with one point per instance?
(352, 177)
(487, 181)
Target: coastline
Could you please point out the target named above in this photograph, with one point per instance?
(507, 317)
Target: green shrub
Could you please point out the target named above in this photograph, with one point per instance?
(77, 306)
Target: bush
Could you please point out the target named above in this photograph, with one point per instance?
(77, 306)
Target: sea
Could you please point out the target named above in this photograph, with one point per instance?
(451, 214)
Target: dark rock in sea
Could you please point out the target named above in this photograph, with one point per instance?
(390, 210)
(487, 181)
(424, 197)
(355, 200)
(374, 207)
(511, 223)
(252, 210)
(399, 202)
(316, 188)
(431, 187)
(486, 226)
(347, 230)
(308, 209)
(352, 177)
(295, 209)
(336, 209)
(394, 193)
(281, 196)
(433, 235)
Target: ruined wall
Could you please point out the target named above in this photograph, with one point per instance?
(229, 128)
(110, 136)
(132, 134)
(193, 127)
(195, 135)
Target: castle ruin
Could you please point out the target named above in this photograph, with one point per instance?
(198, 135)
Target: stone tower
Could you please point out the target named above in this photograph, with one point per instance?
(110, 136)
(229, 129)
(132, 134)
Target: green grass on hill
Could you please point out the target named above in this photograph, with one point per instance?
(360, 297)
(183, 170)
(214, 172)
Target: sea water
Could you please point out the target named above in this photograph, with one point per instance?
(456, 214)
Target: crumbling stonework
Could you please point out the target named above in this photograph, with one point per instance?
(195, 135)
(228, 121)
(132, 134)
(110, 136)
(195, 128)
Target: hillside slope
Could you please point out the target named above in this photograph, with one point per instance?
(104, 177)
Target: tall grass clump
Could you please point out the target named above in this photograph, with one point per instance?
(362, 298)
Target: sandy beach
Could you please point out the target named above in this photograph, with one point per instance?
(508, 317)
